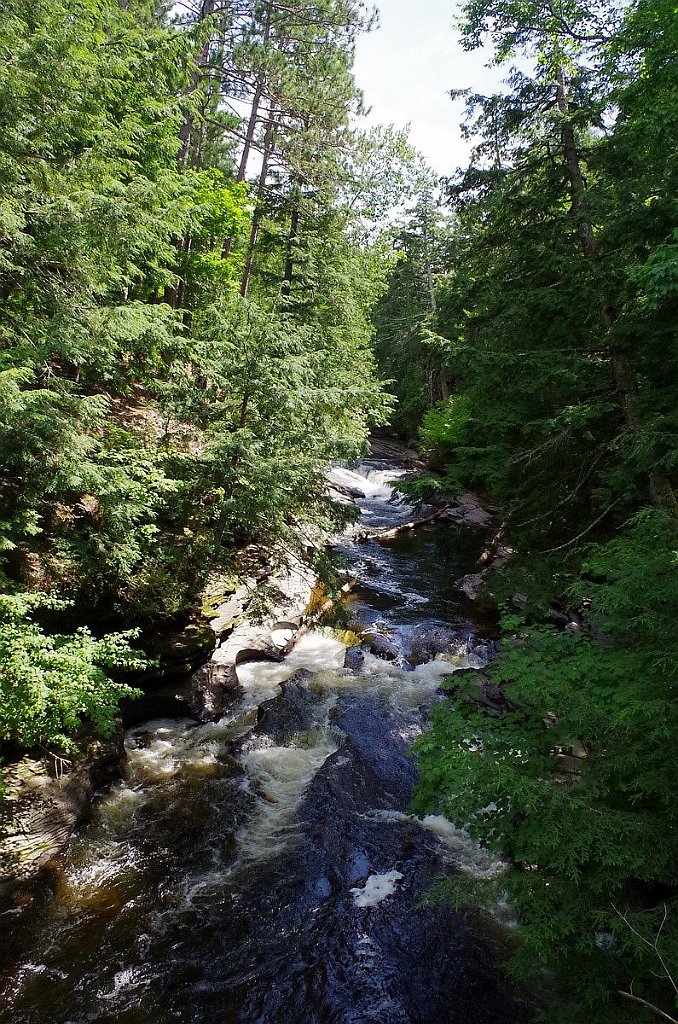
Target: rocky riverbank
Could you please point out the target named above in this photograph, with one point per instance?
(48, 796)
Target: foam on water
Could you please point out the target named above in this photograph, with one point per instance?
(377, 888)
(323, 655)
(459, 849)
(280, 776)
(180, 776)
(409, 688)
(374, 483)
(315, 652)
(166, 749)
(162, 755)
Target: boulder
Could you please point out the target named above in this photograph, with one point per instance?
(179, 651)
(213, 687)
(354, 658)
(427, 645)
(46, 797)
(470, 586)
(383, 647)
(168, 700)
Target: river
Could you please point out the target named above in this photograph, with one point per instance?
(264, 869)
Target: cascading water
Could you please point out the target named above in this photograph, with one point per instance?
(264, 869)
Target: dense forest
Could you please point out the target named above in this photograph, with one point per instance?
(190, 252)
(206, 299)
(550, 342)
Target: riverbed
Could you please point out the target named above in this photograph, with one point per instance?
(264, 869)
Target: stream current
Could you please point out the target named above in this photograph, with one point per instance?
(264, 869)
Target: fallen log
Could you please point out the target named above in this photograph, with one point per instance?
(395, 531)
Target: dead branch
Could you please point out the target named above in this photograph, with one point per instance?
(653, 945)
(649, 1006)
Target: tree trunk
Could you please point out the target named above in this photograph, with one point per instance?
(289, 259)
(429, 268)
(443, 383)
(660, 488)
(186, 133)
(251, 125)
(256, 101)
(251, 129)
(258, 213)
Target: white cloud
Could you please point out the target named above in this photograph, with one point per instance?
(406, 69)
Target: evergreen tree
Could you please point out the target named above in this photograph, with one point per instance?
(558, 320)
(153, 419)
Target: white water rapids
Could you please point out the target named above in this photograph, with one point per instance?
(205, 809)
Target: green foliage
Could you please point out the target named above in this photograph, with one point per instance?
(51, 684)
(152, 420)
(218, 210)
(402, 318)
(557, 320)
(548, 431)
(592, 837)
(444, 426)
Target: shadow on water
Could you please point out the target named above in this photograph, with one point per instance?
(264, 868)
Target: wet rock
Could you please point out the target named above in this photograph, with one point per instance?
(354, 493)
(471, 585)
(262, 650)
(284, 633)
(392, 450)
(281, 719)
(426, 646)
(169, 700)
(518, 601)
(45, 800)
(492, 698)
(383, 647)
(213, 688)
(383, 961)
(354, 659)
(180, 651)
(470, 509)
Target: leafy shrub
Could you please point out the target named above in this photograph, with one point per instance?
(50, 684)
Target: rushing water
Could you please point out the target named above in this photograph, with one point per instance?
(264, 869)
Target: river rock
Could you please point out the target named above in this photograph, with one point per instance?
(179, 651)
(471, 585)
(170, 699)
(426, 646)
(293, 712)
(213, 688)
(339, 492)
(392, 450)
(470, 509)
(383, 961)
(45, 800)
(354, 658)
(279, 720)
(383, 647)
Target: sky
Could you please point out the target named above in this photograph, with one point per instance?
(406, 69)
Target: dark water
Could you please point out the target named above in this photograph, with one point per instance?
(264, 869)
